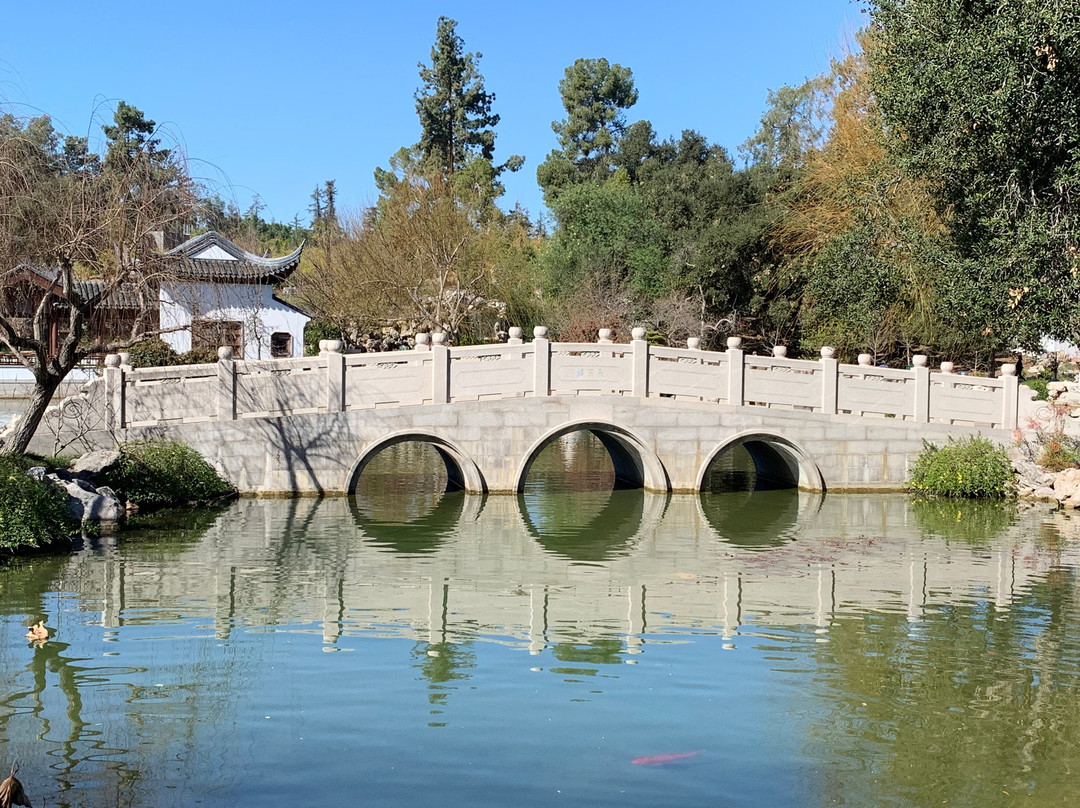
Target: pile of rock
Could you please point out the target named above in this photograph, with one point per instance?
(87, 503)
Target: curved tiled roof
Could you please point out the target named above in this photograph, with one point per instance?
(123, 297)
(242, 267)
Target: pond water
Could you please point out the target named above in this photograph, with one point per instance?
(602, 648)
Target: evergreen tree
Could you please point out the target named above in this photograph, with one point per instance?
(594, 94)
(456, 120)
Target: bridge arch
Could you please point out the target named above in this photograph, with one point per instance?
(462, 473)
(775, 457)
(635, 464)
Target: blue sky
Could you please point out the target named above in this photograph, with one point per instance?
(273, 98)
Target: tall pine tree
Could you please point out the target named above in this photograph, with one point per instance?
(455, 110)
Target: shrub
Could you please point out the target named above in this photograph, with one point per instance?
(1058, 453)
(157, 353)
(972, 467)
(31, 513)
(1039, 385)
(159, 473)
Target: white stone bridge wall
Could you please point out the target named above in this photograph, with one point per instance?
(310, 425)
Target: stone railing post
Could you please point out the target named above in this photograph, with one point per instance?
(440, 369)
(423, 342)
(922, 388)
(830, 380)
(693, 343)
(515, 336)
(779, 351)
(1010, 392)
(604, 336)
(639, 385)
(125, 362)
(335, 376)
(114, 393)
(541, 362)
(736, 371)
(226, 387)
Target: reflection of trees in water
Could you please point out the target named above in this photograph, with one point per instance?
(971, 705)
(977, 522)
(442, 661)
(52, 701)
(403, 476)
(588, 527)
(423, 520)
(754, 519)
(577, 461)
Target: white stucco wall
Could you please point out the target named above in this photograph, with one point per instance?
(253, 305)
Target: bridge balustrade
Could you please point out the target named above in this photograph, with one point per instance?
(435, 373)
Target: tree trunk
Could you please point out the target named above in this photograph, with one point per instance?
(28, 423)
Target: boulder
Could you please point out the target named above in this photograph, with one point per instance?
(1065, 483)
(90, 465)
(89, 504)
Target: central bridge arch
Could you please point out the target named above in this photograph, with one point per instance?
(635, 464)
(462, 473)
(777, 460)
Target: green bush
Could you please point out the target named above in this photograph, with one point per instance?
(1038, 384)
(160, 473)
(972, 467)
(153, 353)
(31, 513)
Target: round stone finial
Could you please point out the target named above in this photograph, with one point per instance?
(1008, 369)
(828, 352)
(918, 360)
(604, 335)
(423, 338)
(438, 338)
(112, 360)
(322, 345)
(225, 352)
(637, 333)
(734, 342)
(947, 367)
(779, 351)
(125, 358)
(866, 359)
(334, 345)
(693, 343)
(540, 332)
(514, 332)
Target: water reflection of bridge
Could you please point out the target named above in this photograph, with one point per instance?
(324, 564)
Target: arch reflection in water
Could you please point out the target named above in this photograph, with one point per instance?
(406, 499)
(574, 504)
(758, 519)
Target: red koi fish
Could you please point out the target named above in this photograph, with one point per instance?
(663, 760)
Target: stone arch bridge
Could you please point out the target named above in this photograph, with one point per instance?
(310, 425)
